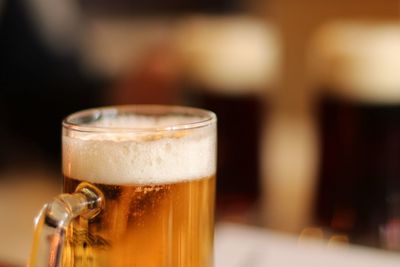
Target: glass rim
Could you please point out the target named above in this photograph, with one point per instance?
(203, 118)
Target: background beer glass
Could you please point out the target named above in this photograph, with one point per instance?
(355, 65)
(139, 186)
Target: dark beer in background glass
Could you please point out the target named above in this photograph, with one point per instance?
(356, 67)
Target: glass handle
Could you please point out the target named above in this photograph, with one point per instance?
(54, 218)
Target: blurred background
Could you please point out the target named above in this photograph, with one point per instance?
(307, 95)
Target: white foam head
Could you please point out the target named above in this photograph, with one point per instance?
(231, 55)
(141, 157)
(361, 60)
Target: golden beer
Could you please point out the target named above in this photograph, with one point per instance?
(146, 225)
(156, 175)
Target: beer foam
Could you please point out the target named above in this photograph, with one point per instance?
(138, 157)
(360, 60)
(232, 55)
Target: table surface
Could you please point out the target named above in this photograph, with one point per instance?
(244, 246)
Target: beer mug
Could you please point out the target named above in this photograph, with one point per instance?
(139, 189)
(355, 66)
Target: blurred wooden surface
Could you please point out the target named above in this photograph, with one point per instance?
(22, 194)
